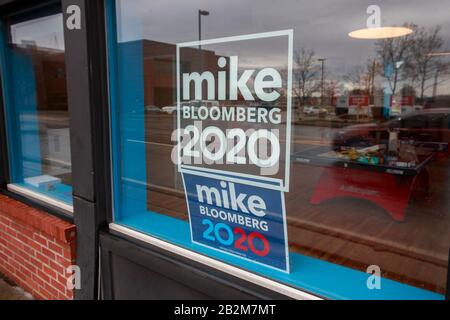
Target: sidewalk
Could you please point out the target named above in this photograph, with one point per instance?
(7, 292)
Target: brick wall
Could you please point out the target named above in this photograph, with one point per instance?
(35, 250)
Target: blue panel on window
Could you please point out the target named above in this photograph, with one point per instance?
(24, 97)
(34, 84)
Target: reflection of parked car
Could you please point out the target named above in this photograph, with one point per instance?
(263, 104)
(151, 108)
(313, 110)
(431, 125)
(408, 109)
(196, 104)
(202, 103)
(169, 109)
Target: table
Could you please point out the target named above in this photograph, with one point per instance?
(390, 187)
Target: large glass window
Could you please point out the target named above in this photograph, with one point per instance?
(369, 167)
(34, 78)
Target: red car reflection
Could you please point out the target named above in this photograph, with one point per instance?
(430, 125)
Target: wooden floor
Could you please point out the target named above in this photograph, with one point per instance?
(356, 233)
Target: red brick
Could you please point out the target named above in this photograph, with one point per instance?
(3, 227)
(45, 260)
(31, 283)
(45, 277)
(23, 230)
(69, 294)
(57, 267)
(62, 278)
(37, 280)
(61, 287)
(45, 294)
(15, 264)
(2, 239)
(25, 272)
(15, 243)
(14, 278)
(29, 251)
(31, 267)
(25, 264)
(53, 292)
(36, 263)
(3, 257)
(8, 252)
(9, 268)
(19, 259)
(63, 261)
(20, 275)
(22, 238)
(37, 219)
(35, 249)
(49, 254)
(36, 246)
(49, 271)
(55, 248)
(5, 220)
(41, 240)
(68, 254)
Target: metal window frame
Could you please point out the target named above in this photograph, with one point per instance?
(236, 272)
(10, 8)
(148, 240)
(89, 124)
(87, 76)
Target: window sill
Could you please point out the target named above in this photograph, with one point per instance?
(40, 197)
(314, 277)
(234, 271)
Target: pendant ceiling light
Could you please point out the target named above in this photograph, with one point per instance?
(380, 33)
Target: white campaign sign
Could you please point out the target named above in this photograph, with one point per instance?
(230, 145)
(255, 140)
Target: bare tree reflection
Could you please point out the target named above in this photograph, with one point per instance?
(306, 73)
(423, 65)
(393, 53)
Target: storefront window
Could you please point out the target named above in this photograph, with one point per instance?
(34, 79)
(354, 100)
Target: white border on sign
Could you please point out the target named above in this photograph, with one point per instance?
(290, 34)
(273, 184)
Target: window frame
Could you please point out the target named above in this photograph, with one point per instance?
(155, 240)
(92, 193)
(55, 207)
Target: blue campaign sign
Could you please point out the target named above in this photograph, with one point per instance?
(238, 216)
